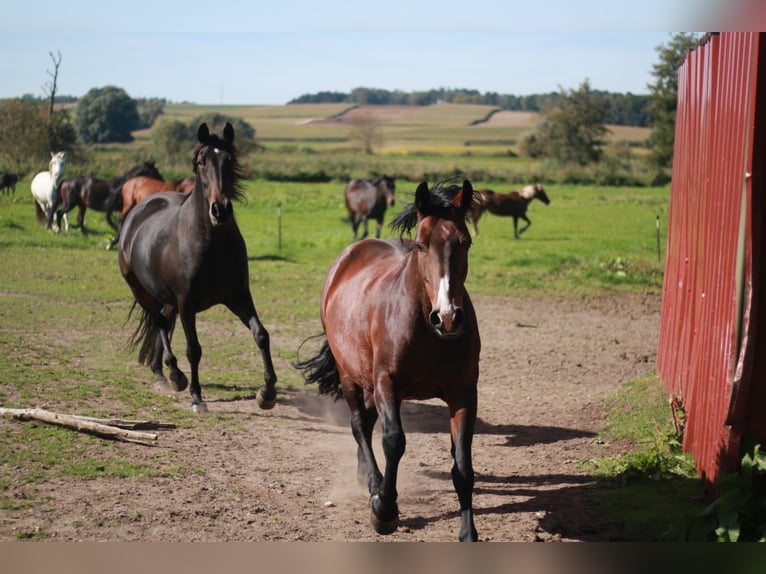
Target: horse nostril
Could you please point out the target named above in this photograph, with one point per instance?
(435, 319)
(458, 320)
(221, 210)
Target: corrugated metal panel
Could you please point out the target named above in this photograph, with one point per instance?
(708, 243)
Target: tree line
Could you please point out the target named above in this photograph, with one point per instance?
(619, 109)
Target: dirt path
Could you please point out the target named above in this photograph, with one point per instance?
(289, 473)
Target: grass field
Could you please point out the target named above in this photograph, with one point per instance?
(587, 241)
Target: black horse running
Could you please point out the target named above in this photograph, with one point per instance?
(181, 254)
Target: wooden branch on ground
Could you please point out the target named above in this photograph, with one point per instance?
(107, 428)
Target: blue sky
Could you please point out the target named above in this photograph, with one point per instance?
(260, 52)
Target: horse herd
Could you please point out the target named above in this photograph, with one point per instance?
(412, 336)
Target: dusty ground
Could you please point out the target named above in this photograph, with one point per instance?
(289, 473)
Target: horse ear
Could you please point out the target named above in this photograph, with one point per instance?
(422, 198)
(228, 133)
(203, 134)
(466, 196)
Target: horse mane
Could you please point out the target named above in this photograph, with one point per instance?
(237, 191)
(439, 203)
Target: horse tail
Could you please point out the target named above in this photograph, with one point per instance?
(39, 214)
(323, 370)
(146, 335)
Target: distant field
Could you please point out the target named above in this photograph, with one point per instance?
(404, 128)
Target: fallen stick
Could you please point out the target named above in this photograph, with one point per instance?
(127, 424)
(82, 424)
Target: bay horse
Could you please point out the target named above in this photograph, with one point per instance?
(369, 200)
(8, 182)
(412, 335)
(514, 204)
(138, 188)
(45, 190)
(99, 194)
(181, 254)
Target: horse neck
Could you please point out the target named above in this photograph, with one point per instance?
(194, 210)
(528, 192)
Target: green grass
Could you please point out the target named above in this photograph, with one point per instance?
(653, 490)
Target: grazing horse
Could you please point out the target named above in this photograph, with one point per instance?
(369, 200)
(45, 190)
(98, 194)
(412, 335)
(181, 254)
(514, 204)
(138, 188)
(8, 182)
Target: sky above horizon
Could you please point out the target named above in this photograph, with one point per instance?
(269, 53)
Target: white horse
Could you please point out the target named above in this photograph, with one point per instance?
(44, 187)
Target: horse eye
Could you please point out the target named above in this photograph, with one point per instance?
(419, 246)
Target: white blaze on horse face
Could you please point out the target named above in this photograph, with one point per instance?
(443, 303)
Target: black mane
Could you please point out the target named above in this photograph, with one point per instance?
(440, 202)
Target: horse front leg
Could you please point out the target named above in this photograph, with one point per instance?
(523, 229)
(245, 310)
(462, 423)
(384, 514)
(194, 355)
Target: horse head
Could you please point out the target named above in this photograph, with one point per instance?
(441, 248)
(56, 165)
(389, 186)
(215, 165)
(540, 194)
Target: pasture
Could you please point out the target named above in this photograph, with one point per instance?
(567, 314)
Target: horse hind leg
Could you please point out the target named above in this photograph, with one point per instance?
(155, 332)
(363, 418)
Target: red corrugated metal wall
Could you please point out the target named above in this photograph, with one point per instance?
(707, 356)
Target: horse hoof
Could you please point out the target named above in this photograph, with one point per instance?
(161, 385)
(383, 526)
(199, 408)
(263, 402)
(178, 381)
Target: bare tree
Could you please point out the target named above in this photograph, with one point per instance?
(366, 131)
(50, 88)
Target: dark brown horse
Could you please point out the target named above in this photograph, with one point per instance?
(98, 194)
(8, 182)
(138, 188)
(514, 204)
(367, 200)
(412, 335)
(181, 254)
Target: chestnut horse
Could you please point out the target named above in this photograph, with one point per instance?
(413, 335)
(138, 188)
(369, 200)
(181, 254)
(514, 204)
